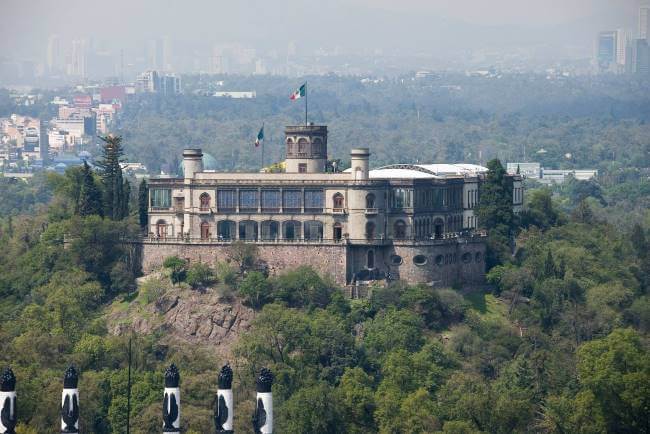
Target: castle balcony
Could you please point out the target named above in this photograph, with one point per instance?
(371, 211)
(339, 211)
(204, 210)
(179, 209)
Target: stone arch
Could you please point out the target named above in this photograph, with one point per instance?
(370, 200)
(291, 230)
(438, 228)
(204, 202)
(161, 229)
(338, 201)
(270, 230)
(205, 230)
(370, 230)
(226, 229)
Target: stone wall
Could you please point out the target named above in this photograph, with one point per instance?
(456, 262)
(327, 259)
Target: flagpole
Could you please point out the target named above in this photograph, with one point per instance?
(306, 123)
(263, 142)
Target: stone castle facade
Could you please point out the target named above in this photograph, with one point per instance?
(403, 221)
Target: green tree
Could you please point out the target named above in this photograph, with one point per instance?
(177, 269)
(495, 213)
(616, 371)
(115, 192)
(312, 409)
(143, 204)
(200, 275)
(255, 289)
(90, 196)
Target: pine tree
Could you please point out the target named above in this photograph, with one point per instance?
(549, 266)
(114, 194)
(126, 198)
(90, 196)
(143, 204)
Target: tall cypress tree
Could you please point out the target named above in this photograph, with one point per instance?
(143, 204)
(90, 196)
(115, 198)
(495, 212)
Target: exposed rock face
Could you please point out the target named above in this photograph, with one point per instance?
(189, 316)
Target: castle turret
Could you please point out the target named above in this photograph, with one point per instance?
(360, 163)
(306, 148)
(192, 162)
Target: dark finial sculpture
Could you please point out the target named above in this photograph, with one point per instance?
(225, 377)
(264, 381)
(223, 407)
(70, 378)
(172, 376)
(70, 405)
(7, 380)
(8, 419)
(171, 402)
(263, 415)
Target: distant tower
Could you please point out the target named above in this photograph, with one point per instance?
(54, 54)
(306, 148)
(644, 22)
(606, 55)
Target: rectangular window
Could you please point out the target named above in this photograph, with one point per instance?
(302, 167)
(292, 200)
(226, 199)
(161, 198)
(248, 200)
(314, 200)
(271, 200)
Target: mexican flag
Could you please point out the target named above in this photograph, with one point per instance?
(299, 93)
(260, 137)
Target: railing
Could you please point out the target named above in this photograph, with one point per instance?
(443, 239)
(338, 211)
(371, 211)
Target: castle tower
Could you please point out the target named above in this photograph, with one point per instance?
(360, 164)
(192, 162)
(306, 148)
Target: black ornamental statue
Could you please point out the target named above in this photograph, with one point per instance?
(8, 402)
(223, 411)
(263, 415)
(70, 402)
(172, 401)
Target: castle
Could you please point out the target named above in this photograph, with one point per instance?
(413, 222)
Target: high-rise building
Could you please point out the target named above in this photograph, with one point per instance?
(607, 45)
(78, 65)
(644, 22)
(160, 54)
(54, 55)
(639, 57)
(621, 44)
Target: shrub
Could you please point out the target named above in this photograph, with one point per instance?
(200, 276)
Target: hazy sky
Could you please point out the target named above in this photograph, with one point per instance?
(405, 25)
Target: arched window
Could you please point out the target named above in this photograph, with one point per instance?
(313, 230)
(370, 230)
(270, 230)
(338, 201)
(248, 230)
(205, 202)
(301, 145)
(291, 230)
(226, 230)
(205, 230)
(399, 229)
(370, 200)
(371, 259)
(438, 228)
(289, 145)
(337, 231)
(161, 229)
